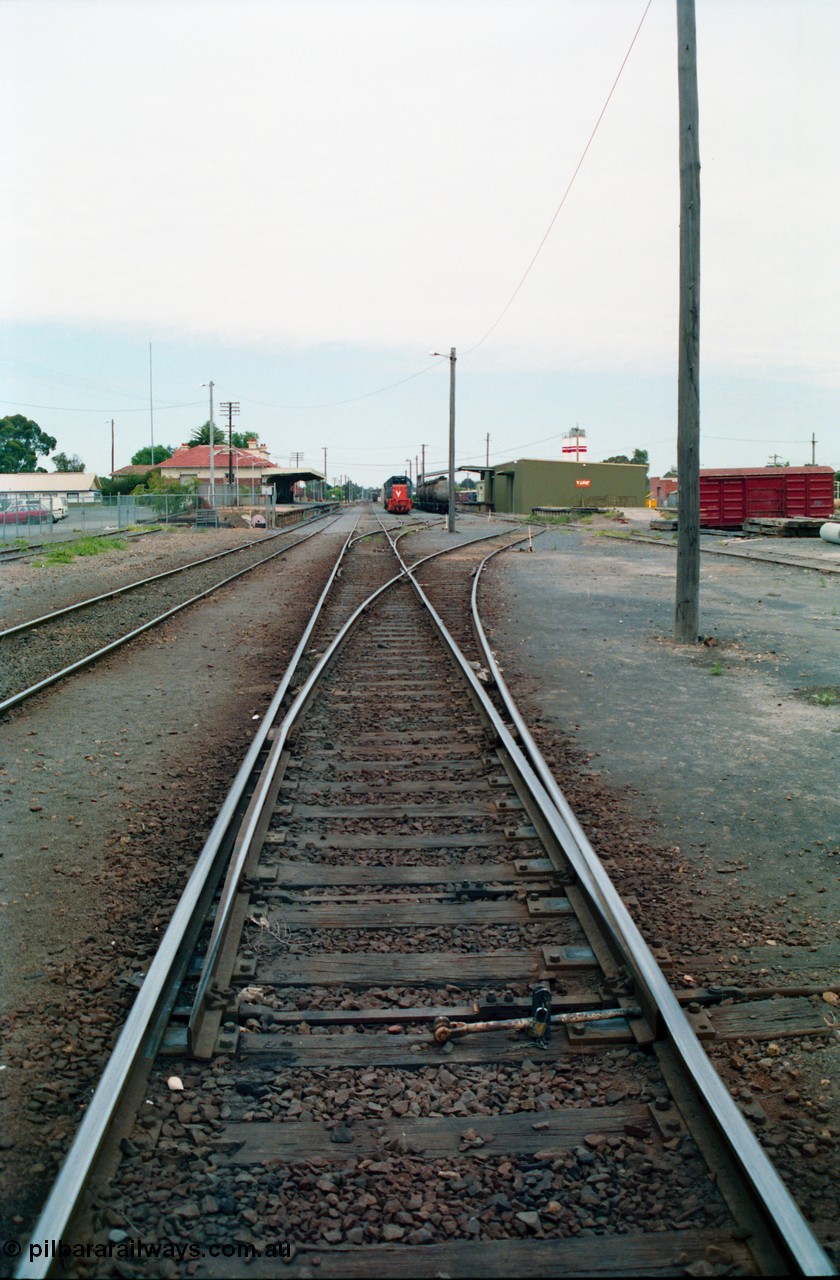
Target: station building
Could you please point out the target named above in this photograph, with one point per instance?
(252, 468)
(528, 484)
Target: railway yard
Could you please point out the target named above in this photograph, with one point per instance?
(305, 881)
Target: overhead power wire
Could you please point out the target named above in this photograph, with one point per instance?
(331, 404)
(366, 395)
(64, 408)
(571, 183)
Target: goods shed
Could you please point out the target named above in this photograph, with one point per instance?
(525, 483)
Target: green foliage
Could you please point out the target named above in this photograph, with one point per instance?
(62, 462)
(111, 485)
(169, 496)
(143, 457)
(716, 669)
(64, 552)
(201, 435)
(21, 443)
(639, 458)
(156, 483)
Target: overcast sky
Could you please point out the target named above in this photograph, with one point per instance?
(300, 199)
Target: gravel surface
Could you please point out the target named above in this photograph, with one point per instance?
(706, 778)
(383, 1184)
(109, 784)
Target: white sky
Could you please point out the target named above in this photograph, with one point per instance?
(301, 198)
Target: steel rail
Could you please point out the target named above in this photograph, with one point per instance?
(142, 582)
(261, 795)
(140, 1035)
(147, 1018)
(794, 1234)
(90, 658)
(746, 554)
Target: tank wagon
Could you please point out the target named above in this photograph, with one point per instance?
(433, 495)
(396, 495)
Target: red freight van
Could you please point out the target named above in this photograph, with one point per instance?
(731, 495)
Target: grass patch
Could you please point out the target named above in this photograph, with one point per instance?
(826, 697)
(64, 552)
(561, 519)
(716, 669)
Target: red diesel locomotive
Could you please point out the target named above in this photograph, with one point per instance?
(396, 495)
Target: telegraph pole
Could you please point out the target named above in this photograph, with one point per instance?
(687, 613)
(211, 438)
(450, 520)
(423, 463)
(230, 407)
(151, 406)
(112, 450)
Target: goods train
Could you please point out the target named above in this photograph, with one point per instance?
(433, 495)
(396, 495)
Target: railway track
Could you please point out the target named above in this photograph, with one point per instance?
(337, 1083)
(41, 651)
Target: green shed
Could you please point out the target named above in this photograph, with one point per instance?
(520, 486)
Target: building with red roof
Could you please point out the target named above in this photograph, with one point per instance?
(252, 469)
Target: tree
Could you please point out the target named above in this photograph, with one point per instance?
(62, 462)
(201, 435)
(157, 483)
(110, 485)
(143, 457)
(21, 441)
(639, 458)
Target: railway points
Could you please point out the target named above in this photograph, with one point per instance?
(326, 1022)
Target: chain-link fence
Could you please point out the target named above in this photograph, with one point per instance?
(27, 517)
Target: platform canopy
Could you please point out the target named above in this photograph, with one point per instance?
(285, 478)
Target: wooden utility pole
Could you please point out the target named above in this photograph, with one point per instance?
(450, 519)
(230, 407)
(687, 617)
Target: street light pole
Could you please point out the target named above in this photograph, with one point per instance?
(212, 440)
(450, 523)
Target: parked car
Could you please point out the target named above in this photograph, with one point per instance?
(57, 505)
(26, 513)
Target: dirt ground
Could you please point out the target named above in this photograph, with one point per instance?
(730, 746)
(706, 778)
(719, 764)
(109, 785)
